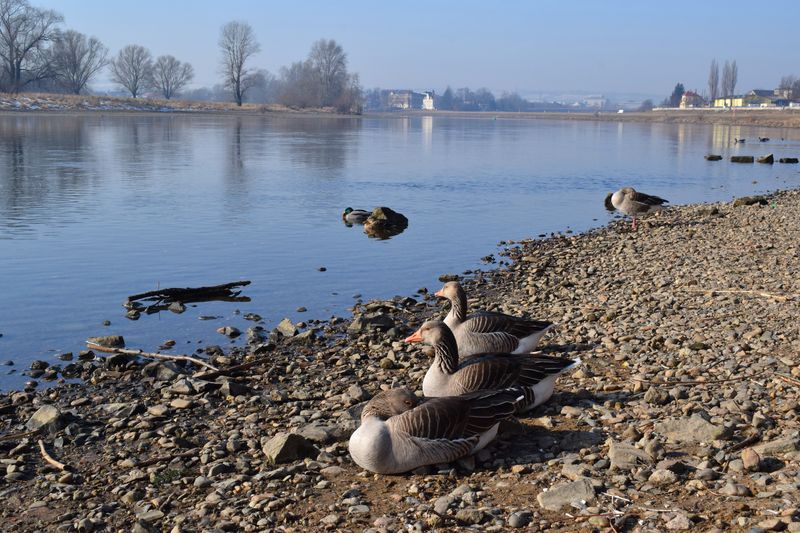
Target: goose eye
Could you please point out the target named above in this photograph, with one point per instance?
(408, 402)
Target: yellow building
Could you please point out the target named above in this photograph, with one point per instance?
(729, 101)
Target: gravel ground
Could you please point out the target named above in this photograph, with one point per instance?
(684, 415)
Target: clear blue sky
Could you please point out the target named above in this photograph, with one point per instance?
(609, 46)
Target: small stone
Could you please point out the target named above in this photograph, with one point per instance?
(108, 341)
(563, 495)
(519, 519)
(181, 403)
(287, 328)
(47, 416)
(750, 459)
(286, 447)
(663, 477)
(229, 331)
(468, 516)
(680, 522)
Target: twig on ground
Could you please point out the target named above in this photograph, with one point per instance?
(47, 457)
(151, 355)
(763, 294)
(17, 436)
(787, 379)
(692, 382)
(752, 439)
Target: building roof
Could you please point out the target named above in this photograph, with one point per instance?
(762, 92)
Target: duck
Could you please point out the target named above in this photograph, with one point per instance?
(630, 202)
(738, 140)
(485, 331)
(398, 433)
(355, 216)
(533, 375)
(763, 139)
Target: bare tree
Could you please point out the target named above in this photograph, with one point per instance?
(132, 68)
(24, 30)
(169, 75)
(330, 63)
(238, 44)
(76, 59)
(730, 74)
(300, 85)
(713, 81)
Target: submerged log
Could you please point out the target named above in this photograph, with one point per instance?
(767, 159)
(742, 159)
(165, 297)
(792, 160)
(713, 157)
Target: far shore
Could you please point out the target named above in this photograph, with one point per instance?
(60, 104)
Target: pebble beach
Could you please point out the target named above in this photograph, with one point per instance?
(683, 416)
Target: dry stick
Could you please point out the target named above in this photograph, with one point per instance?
(150, 355)
(779, 297)
(694, 382)
(17, 436)
(744, 443)
(177, 293)
(49, 458)
(787, 379)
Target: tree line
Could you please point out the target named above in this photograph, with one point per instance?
(37, 54)
(465, 99)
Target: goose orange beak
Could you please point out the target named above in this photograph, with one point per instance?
(414, 337)
(439, 293)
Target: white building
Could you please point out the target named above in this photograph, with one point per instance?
(427, 101)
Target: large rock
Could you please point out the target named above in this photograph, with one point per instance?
(626, 457)
(371, 321)
(286, 447)
(287, 328)
(108, 341)
(48, 417)
(778, 446)
(580, 491)
(692, 430)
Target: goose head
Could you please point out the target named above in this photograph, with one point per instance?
(389, 403)
(449, 290)
(433, 333)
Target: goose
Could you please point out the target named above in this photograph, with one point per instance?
(533, 375)
(355, 216)
(633, 203)
(486, 331)
(398, 434)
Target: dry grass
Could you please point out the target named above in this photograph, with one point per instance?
(34, 102)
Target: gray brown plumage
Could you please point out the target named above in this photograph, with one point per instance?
(533, 375)
(398, 434)
(485, 331)
(633, 203)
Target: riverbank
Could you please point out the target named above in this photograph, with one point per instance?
(768, 118)
(684, 414)
(68, 103)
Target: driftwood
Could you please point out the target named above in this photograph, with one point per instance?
(151, 355)
(47, 457)
(226, 291)
(18, 436)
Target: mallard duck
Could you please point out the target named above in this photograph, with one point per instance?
(632, 203)
(355, 216)
(398, 434)
(534, 376)
(485, 331)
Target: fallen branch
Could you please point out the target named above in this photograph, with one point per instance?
(17, 436)
(231, 369)
(787, 379)
(692, 382)
(188, 293)
(49, 458)
(752, 439)
(151, 355)
(763, 294)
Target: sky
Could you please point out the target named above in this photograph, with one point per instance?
(531, 47)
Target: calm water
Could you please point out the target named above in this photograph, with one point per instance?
(95, 208)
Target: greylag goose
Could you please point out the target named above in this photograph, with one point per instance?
(355, 216)
(485, 331)
(632, 203)
(397, 434)
(533, 375)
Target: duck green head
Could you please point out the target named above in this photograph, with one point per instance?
(348, 210)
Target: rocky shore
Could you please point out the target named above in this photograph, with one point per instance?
(684, 415)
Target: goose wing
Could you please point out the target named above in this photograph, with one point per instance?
(537, 368)
(490, 371)
(489, 322)
(647, 199)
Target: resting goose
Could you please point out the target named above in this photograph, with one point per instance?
(485, 331)
(632, 203)
(355, 216)
(397, 434)
(533, 375)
